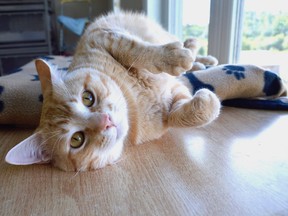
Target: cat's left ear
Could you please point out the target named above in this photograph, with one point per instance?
(46, 74)
(27, 152)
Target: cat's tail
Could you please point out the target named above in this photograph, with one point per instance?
(245, 86)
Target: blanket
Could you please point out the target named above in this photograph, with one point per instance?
(21, 98)
(20, 93)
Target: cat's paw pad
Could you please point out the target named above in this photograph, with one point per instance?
(206, 105)
(176, 59)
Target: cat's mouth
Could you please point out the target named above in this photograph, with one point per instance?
(118, 133)
(118, 129)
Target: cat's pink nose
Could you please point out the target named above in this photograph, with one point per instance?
(105, 121)
(100, 121)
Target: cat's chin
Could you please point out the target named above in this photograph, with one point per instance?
(103, 159)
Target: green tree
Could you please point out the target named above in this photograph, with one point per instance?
(265, 31)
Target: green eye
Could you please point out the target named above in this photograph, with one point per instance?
(88, 98)
(77, 140)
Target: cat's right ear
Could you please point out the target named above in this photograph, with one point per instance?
(45, 73)
(28, 152)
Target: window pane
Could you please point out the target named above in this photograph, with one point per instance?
(196, 16)
(265, 34)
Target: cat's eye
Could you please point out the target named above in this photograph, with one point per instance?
(88, 98)
(77, 140)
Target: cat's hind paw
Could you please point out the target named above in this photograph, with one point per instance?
(202, 109)
(205, 107)
(192, 44)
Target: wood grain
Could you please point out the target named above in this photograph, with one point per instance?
(238, 165)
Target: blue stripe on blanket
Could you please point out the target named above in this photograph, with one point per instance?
(196, 83)
(276, 104)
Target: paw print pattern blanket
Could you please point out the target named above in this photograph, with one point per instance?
(245, 86)
(20, 93)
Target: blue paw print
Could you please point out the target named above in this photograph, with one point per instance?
(1, 102)
(41, 98)
(237, 71)
(35, 77)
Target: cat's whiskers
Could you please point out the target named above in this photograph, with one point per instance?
(55, 144)
(67, 93)
(50, 136)
(76, 174)
(80, 169)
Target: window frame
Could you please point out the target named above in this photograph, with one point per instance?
(225, 26)
(225, 30)
(166, 12)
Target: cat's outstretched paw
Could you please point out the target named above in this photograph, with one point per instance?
(205, 107)
(192, 44)
(175, 59)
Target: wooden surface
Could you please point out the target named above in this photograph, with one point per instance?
(238, 165)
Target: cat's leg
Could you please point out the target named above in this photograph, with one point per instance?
(131, 51)
(197, 111)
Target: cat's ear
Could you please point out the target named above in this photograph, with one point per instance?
(46, 74)
(27, 152)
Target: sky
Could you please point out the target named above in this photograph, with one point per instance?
(266, 5)
(197, 11)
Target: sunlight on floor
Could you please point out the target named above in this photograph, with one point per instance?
(196, 148)
(257, 156)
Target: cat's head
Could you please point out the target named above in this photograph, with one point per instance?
(83, 124)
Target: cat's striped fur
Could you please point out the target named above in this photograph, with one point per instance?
(128, 63)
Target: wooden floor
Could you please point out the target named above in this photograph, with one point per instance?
(238, 165)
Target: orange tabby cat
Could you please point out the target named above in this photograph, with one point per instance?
(120, 88)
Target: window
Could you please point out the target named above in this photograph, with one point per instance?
(265, 35)
(218, 17)
(196, 15)
(227, 28)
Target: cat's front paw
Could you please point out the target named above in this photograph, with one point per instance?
(176, 59)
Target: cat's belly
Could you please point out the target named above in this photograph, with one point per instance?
(153, 97)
